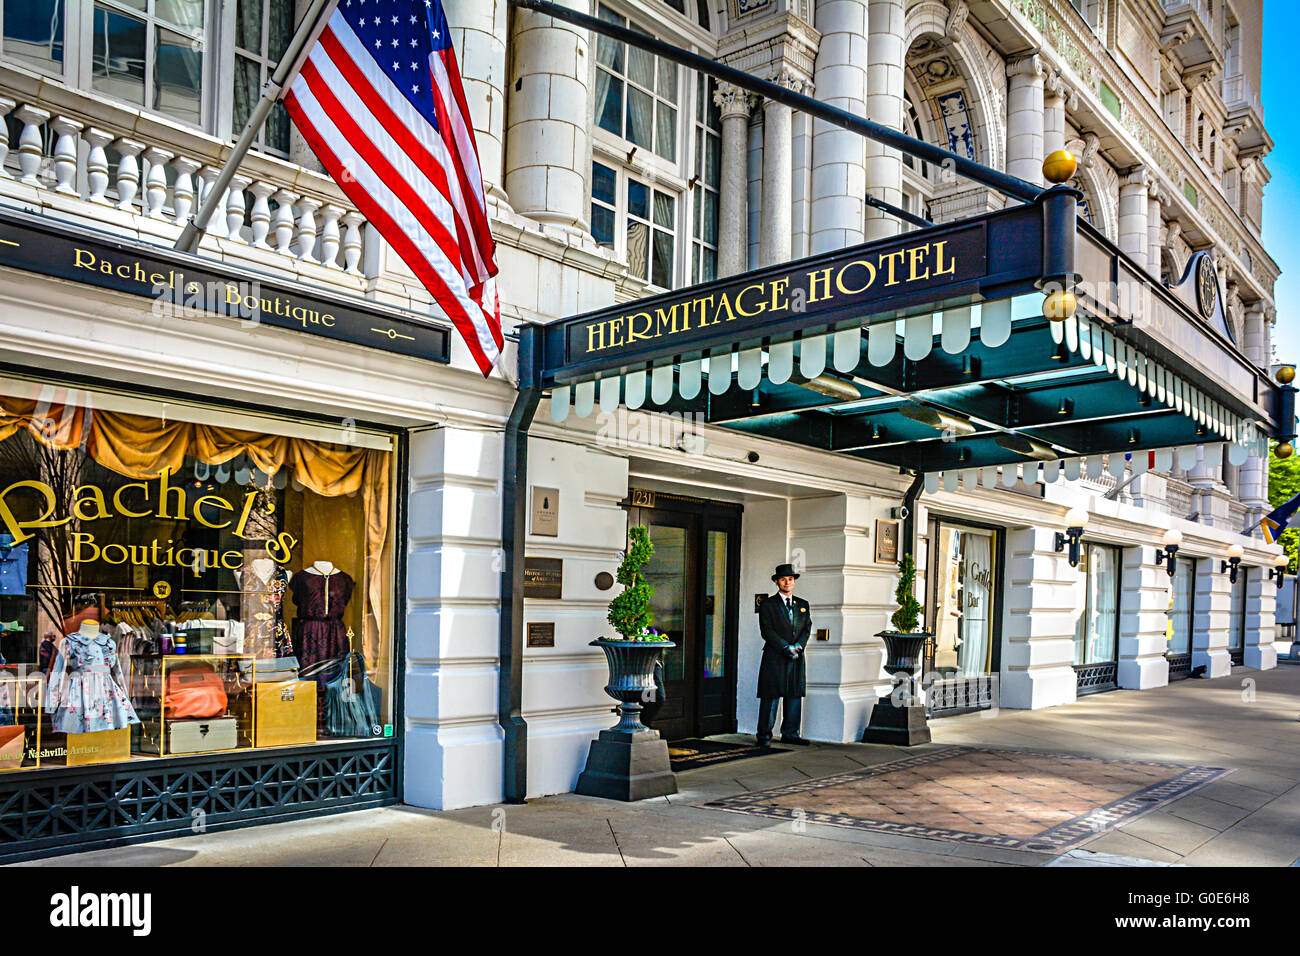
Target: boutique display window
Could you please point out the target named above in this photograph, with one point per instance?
(180, 579)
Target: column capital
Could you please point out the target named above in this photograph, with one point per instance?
(732, 101)
(1054, 86)
(955, 28)
(784, 76)
(1030, 65)
(1137, 176)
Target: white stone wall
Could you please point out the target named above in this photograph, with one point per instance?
(839, 174)
(1210, 618)
(564, 703)
(1038, 621)
(453, 752)
(1143, 619)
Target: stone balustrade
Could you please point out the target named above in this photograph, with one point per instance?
(79, 156)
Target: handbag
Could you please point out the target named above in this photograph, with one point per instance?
(12, 741)
(194, 692)
(349, 713)
(226, 643)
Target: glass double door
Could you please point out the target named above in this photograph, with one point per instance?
(695, 576)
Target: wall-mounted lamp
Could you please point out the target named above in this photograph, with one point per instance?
(1075, 521)
(1172, 539)
(1281, 563)
(1234, 561)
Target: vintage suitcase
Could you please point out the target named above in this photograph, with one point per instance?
(286, 713)
(202, 735)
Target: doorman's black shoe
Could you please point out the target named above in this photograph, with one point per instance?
(762, 741)
(793, 739)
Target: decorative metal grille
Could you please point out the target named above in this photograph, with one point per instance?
(960, 695)
(1180, 666)
(1095, 678)
(1237, 655)
(46, 811)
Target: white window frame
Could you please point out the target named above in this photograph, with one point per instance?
(642, 163)
(622, 177)
(72, 10)
(229, 53)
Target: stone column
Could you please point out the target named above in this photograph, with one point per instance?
(1253, 473)
(1261, 621)
(1055, 93)
(1025, 118)
(734, 105)
(1210, 618)
(1143, 610)
(839, 173)
(778, 186)
(1133, 237)
(548, 139)
(1155, 226)
(1038, 626)
(885, 61)
(478, 30)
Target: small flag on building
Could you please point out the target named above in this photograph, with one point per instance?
(1276, 521)
(380, 101)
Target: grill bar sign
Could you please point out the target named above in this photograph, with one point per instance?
(879, 275)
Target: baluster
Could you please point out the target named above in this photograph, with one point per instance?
(183, 191)
(284, 221)
(65, 154)
(31, 144)
(6, 106)
(128, 172)
(329, 235)
(261, 216)
(217, 221)
(155, 181)
(352, 242)
(236, 204)
(307, 229)
(97, 163)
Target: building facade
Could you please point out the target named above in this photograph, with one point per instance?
(356, 422)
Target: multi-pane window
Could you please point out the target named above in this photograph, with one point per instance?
(263, 29)
(649, 223)
(31, 32)
(708, 177)
(151, 53)
(636, 94)
(1183, 608)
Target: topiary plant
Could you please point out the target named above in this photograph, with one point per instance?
(630, 613)
(907, 617)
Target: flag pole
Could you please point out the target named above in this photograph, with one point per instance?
(304, 38)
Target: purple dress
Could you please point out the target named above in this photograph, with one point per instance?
(318, 629)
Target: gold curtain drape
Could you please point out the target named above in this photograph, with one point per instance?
(142, 447)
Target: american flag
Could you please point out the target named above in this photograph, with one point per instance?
(380, 101)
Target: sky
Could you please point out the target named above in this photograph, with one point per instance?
(1282, 194)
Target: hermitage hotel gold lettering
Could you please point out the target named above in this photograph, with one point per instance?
(219, 297)
(881, 271)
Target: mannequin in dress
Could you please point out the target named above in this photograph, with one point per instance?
(261, 607)
(321, 594)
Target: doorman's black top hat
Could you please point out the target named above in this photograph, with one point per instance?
(785, 571)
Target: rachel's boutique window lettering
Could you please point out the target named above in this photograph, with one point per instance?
(187, 580)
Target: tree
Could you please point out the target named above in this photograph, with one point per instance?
(630, 613)
(1283, 485)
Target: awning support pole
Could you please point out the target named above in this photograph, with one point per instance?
(514, 502)
(1007, 185)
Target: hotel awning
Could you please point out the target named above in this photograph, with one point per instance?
(930, 352)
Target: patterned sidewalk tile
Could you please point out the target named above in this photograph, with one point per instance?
(1011, 799)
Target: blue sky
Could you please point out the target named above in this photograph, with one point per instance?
(1282, 195)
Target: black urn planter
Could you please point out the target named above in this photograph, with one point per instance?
(894, 720)
(629, 761)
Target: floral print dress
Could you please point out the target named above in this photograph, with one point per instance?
(85, 692)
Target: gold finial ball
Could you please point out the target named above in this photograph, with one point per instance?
(1059, 166)
(1283, 450)
(1059, 305)
(1286, 374)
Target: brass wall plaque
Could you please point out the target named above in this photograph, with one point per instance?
(541, 634)
(758, 601)
(642, 498)
(886, 541)
(546, 511)
(604, 581)
(543, 577)
(823, 633)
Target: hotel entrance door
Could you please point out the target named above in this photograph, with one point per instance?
(695, 573)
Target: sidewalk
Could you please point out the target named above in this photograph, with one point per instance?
(983, 778)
